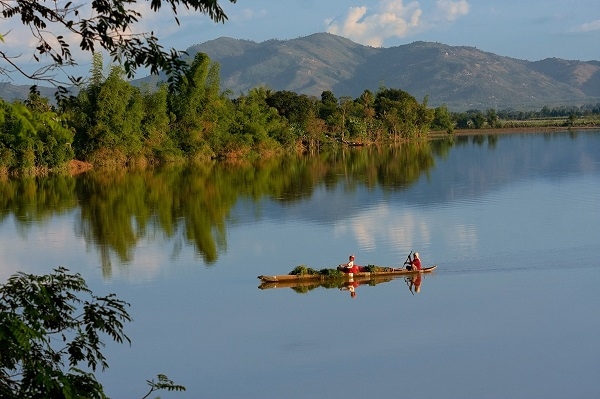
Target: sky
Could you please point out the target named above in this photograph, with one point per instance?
(529, 30)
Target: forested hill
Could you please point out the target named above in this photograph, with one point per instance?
(10, 92)
(460, 77)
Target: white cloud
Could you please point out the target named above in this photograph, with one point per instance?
(247, 14)
(590, 26)
(390, 18)
(452, 10)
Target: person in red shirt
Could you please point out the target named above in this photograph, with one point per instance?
(415, 263)
(349, 267)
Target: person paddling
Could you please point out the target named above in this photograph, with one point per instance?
(415, 263)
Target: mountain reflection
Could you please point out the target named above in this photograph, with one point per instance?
(192, 205)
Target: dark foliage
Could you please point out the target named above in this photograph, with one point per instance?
(50, 326)
(108, 27)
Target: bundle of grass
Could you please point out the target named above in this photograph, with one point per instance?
(377, 269)
(331, 272)
(305, 270)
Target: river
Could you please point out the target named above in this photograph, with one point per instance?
(512, 221)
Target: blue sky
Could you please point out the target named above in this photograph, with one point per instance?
(529, 30)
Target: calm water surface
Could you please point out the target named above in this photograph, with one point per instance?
(513, 223)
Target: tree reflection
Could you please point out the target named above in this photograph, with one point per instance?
(192, 204)
(32, 200)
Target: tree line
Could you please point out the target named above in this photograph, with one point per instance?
(112, 122)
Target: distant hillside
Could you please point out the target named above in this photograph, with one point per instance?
(461, 77)
(307, 65)
(10, 92)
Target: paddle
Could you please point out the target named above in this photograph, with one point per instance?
(407, 261)
(408, 281)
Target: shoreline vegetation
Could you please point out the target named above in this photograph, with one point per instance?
(512, 130)
(112, 124)
(74, 166)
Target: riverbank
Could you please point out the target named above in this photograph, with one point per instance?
(75, 167)
(511, 130)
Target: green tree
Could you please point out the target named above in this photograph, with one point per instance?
(51, 325)
(346, 108)
(43, 339)
(155, 125)
(118, 122)
(198, 106)
(254, 125)
(425, 116)
(367, 101)
(315, 132)
(471, 119)
(363, 120)
(59, 26)
(442, 120)
(478, 118)
(36, 103)
(400, 111)
(328, 106)
(32, 135)
(296, 108)
(491, 117)
(331, 113)
(463, 121)
(119, 114)
(108, 118)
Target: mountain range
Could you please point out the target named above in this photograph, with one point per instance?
(460, 77)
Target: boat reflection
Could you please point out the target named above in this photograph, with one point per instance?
(303, 287)
(351, 286)
(413, 283)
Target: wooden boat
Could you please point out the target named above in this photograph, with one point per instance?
(364, 275)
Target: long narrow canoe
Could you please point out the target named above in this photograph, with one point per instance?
(294, 278)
